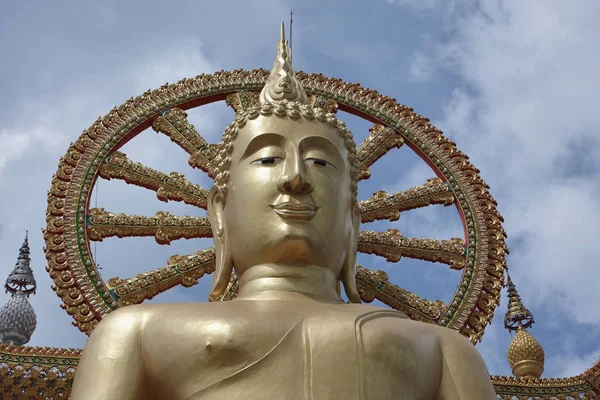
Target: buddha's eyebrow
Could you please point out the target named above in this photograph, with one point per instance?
(262, 140)
(322, 143)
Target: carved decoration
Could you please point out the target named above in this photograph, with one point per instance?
(174, 124)
(393, 246)
(375, 285)
(576, 387)
(173, 186)
(181, 270)
(389, 206)
(232, 290)
(164, 226)
(36, 372)
(328, 105)
(381, 140)
(244, 100)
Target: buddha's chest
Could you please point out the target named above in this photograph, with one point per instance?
(277, 355)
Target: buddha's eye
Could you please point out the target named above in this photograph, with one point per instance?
(320, 162)
(267, 160)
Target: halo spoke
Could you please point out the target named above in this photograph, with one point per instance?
(164, 226)
(232, 290)
(241, 101)
(180, 270)
(175, 125)
(389, 206)
(381, 140)
(173, 186)
(393, 246)
(375, 285)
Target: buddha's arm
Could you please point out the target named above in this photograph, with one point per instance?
(111, 366)
(464, 374)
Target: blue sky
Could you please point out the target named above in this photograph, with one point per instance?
(513, 83)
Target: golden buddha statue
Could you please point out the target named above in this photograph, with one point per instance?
(284, 215)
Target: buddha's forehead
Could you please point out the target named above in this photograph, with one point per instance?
(294, 131)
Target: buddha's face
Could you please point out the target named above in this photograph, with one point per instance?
(288, 195)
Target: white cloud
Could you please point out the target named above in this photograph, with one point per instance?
(525, 110)
(528, 100)
(569, 364)
(172, 63)
(33, 133)
(13, 146)
(420, 67)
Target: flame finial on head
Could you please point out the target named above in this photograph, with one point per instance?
(282, 83)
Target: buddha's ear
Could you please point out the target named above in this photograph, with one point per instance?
(223, 259)
(349, 268)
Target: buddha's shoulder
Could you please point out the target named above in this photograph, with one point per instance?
(190, 309)
(145, 314)
(391, 321)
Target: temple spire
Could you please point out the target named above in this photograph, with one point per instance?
(525, 354)
(291, 25)
(17, 317)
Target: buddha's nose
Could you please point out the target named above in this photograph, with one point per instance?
(295, 179)
(297, 184)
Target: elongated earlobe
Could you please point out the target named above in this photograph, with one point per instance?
(223, 259)
(349, 268)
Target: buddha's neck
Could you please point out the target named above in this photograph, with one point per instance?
(289, 282)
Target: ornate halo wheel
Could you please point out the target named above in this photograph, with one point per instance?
(71, 224)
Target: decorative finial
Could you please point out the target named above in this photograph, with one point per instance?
(517, 314)
(525, 354)
(21, 278)
(282, 83)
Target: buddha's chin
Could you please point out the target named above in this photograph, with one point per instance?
(298, 231)
(294, 248)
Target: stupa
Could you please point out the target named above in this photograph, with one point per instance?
(17, 317)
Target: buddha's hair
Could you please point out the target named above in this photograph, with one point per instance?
(282, 109)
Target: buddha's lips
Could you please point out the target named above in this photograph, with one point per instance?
(303, 211)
